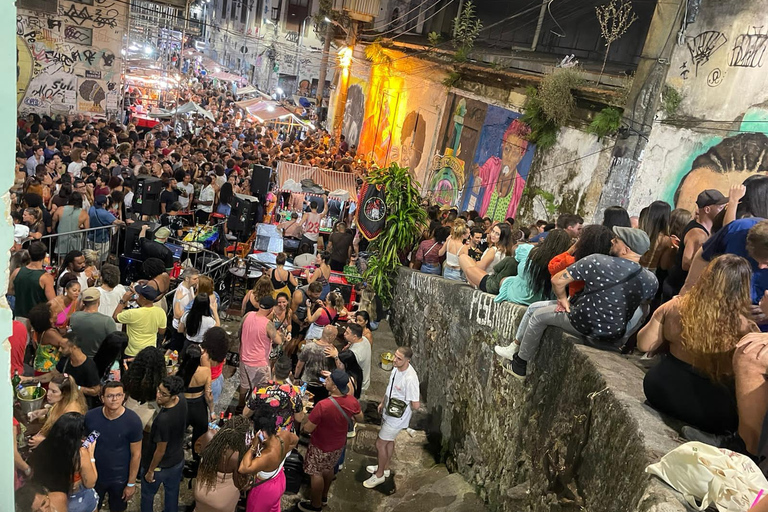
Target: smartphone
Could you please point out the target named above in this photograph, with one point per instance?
(262, 437)
(322, 380)
(92, 437)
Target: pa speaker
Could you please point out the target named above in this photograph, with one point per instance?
(260, 178)
(242, 217)
(146, 197)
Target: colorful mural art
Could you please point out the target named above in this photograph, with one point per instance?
(70, 62)
(486, 161)
(354, 111)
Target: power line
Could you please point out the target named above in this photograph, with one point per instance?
(373, 29)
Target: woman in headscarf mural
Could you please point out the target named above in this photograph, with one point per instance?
(497, 185)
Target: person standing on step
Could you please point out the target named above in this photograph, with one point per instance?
(396, 408)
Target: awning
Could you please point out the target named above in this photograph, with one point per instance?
(193, 108)
(223, 75)
(263, 110)
(332, 181)
(248, 89)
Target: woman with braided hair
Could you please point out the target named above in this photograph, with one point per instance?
(218, 483)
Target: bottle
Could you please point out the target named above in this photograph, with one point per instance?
(16, 380)
(221, 419)
(38, 392)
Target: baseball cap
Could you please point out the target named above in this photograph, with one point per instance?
(162, 233)
(636, 239)
(267, 302)
(146, 291)
(341, 380)
(100, 200)
(710, 197)
(91, 294)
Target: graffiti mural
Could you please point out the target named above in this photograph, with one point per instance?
(64, 61)
(354, 112)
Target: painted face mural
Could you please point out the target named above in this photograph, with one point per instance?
(353, 114)
(728, 163)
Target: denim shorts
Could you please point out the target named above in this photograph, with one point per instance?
(426, 268)
(82, 500)
(454, 274)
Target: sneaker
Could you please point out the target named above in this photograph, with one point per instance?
(516, 367)
(372, 470)
(507, 352)
(306, 506)
(374, 481)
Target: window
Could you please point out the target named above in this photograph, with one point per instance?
(297, 11)
(224, 10)
(244, 11)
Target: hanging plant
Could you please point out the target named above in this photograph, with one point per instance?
(605, 122)
(402, 229)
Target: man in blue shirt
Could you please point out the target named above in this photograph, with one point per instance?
(118, 448)
(100, 217)
(747, 238)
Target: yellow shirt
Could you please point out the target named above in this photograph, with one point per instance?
(142, 325)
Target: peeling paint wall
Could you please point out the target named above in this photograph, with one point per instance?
(716, 138)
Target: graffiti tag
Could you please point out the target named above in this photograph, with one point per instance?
(749, 50)
(292, 36)
(704, 45)
(715, 78)
(79, 35)
(100, 17)
(54, 91)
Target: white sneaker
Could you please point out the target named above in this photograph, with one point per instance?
(372, 470)
(507, 352)
(374, 481)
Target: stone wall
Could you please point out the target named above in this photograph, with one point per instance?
(575, 434)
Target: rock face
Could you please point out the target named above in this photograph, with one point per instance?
(576, 435)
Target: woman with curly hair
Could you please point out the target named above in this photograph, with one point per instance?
(497, 262)
(141, 380)
(533, 282)
(261, 288)
(62, 306)
(63, 396)
(694, 381)
(218, 483)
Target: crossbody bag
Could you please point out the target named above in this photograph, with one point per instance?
(350, 423)
(395, 407)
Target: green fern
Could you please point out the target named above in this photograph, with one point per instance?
(605, 122)
(434, 38)
(452, 79)
(544, 131)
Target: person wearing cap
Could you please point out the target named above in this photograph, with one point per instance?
(143, 324)
(328, 424)
(90, 326)
(257, 334)
(156, 248)
(747, 238)
(606, 312)
(709, 204)
(99, 217)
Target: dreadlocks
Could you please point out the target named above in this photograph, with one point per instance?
(229, 439)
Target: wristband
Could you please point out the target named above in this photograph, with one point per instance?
(130, 485)
(93, 460)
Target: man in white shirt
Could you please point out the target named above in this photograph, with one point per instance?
(404, 386)
(362, 350)
(205, 202)
(111, 290)
(187, 191)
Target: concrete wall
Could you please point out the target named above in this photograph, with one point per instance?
(70, 61)
(575, 434)
(718, 70)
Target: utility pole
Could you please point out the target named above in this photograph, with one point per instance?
(324, 66)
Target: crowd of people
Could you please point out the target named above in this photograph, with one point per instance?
(687, 289)
(119, 408)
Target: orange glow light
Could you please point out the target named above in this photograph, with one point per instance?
(345, 57)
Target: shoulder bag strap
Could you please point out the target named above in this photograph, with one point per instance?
(346, 417)
(430, 249)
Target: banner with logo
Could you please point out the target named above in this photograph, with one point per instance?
(371, 210)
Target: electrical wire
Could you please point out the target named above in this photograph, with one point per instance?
(426, 20)
(374, 29)
(409, 21)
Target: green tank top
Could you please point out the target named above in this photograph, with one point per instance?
(27, 290)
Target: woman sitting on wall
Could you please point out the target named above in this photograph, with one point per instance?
(694, 380)
(497, 262)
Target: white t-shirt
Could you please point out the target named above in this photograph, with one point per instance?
(362, 351)
(207, 194)
(109, 300)
(75, 168)
(205, 324)
(404, 386)
(182, 296)
(190, 190)
(81, 278)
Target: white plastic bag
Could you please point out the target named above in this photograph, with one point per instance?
(710, 475)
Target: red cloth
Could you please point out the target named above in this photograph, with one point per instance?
(18, 342)
(216, 370)
(560, 263)
(331, 431)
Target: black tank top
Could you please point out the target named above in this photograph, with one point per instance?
(676, 277)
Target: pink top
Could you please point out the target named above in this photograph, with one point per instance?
(255, 345)
(61, 318)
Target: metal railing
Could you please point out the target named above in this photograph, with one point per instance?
(59, 244)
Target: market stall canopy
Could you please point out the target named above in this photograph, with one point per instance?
(340, 185)
(223, 75)
(248, 89)
(193, 108)
(263, 110)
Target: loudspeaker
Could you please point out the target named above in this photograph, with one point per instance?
(130, 270)
(146, 197)
(260, 178)
(132, 248)
(242, 217)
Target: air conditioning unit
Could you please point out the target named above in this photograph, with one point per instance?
(360, 10)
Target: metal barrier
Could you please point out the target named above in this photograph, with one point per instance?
(60, 244)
